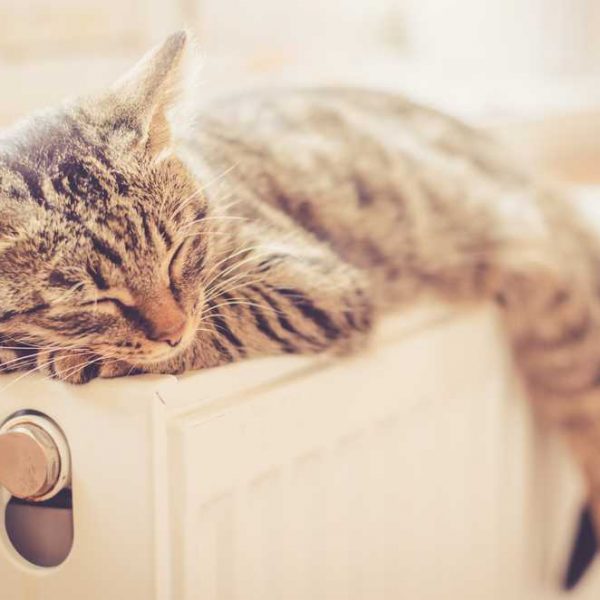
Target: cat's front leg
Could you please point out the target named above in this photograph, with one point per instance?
(9, 360)
(81, 366)
(16, 357)
(299, 299)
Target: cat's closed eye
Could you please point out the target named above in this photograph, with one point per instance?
(174, 266)
(118, 296)
(107, 300)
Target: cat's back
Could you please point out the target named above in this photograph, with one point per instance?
(341, 123)
(370, 172)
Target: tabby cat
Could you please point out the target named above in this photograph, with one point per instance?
(136, 239)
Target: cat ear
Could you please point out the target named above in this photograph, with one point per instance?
(143, 97)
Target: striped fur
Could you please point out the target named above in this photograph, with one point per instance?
(281, 222)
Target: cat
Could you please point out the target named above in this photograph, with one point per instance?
(136, 239)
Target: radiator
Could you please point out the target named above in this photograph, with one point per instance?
(411, 471)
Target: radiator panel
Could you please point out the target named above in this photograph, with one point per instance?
(411, 471)
(378, 477)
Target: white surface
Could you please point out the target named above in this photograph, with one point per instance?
(516, 37)
(411, 471)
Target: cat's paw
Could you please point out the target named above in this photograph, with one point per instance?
(73, 366)
(80, 367)
(10, 361)
(117, 368)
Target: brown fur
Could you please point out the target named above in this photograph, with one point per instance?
(281, 222)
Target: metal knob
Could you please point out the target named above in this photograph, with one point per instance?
(34, 457)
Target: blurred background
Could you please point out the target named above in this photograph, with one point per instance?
(528, 68)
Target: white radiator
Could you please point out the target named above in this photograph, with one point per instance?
(412, 471)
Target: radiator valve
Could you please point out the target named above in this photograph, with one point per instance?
(34, 457)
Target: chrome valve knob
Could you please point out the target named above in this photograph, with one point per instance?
(34, 457)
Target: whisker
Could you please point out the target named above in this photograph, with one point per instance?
(242, 303)
(24, 359)
(66, 294)
(208, 283)
(27, 373)
(201, 190)
(204, 329)
(79, 368)
(219, 290)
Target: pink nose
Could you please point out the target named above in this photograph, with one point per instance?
(165, 320)
(170, 333)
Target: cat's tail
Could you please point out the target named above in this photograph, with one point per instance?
(585, 549)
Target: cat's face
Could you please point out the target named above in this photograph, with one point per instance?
(102, 229)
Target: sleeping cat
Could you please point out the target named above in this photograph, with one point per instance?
(281, 222)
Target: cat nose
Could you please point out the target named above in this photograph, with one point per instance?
(165, 321)
(170, 332)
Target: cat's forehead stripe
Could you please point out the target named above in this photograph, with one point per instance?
(32, 180)
(105, 250)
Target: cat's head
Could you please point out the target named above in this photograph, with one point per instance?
(101, 224)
